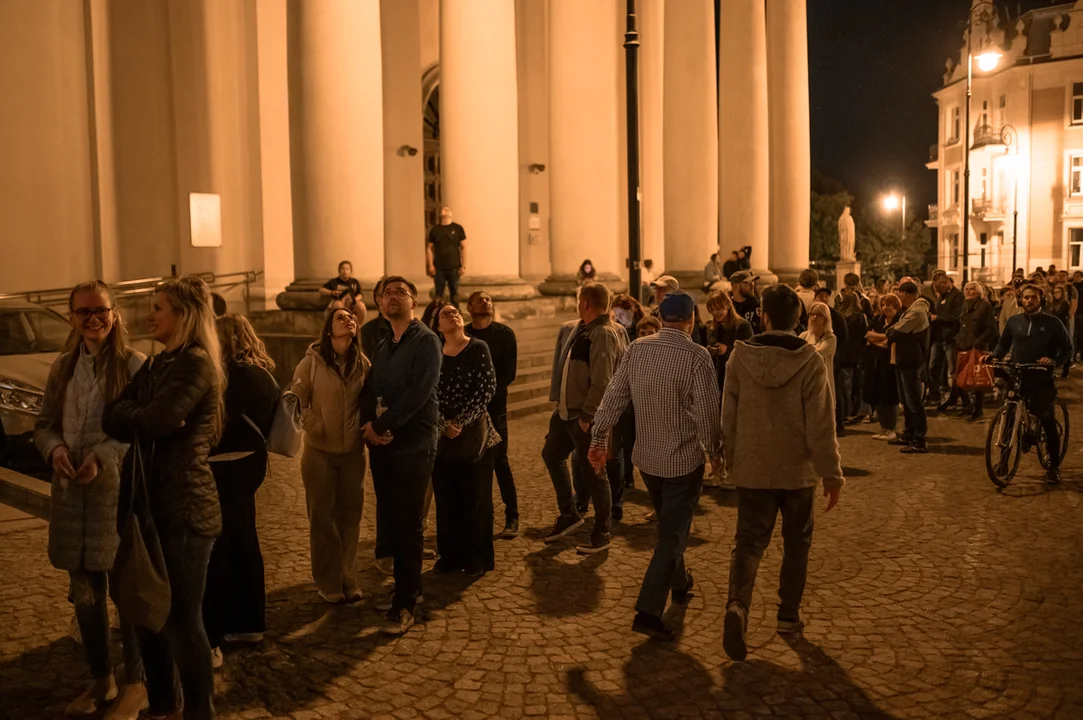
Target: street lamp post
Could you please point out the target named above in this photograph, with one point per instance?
(631, 49)
(982, 12)
(894, 202)
(1010, 137)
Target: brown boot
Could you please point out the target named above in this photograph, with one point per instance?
(97, 694)
(132, 699)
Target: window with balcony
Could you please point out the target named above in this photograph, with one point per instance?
(1075, 181)
(1075, 248)
(1077, 103)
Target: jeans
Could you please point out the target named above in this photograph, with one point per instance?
(756, 513)
(844, 390)
(464, 512)
(942, 365)
(181, 648)
(911, 393)
(334, 496)
(88, 590)
(675, 500)
(235, 599)
(401, 483)
(502, 468)
(888, 415)
(564, 437)
(614, 470)
(449, 278)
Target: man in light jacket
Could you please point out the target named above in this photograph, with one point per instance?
(778, 438)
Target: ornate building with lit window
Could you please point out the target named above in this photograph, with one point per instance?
(286, 135)
(1025, 142)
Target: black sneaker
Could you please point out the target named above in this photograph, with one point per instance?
(900, 440)
(915, 449)
(582, 506)
(511, 530)
(682, 597)
(384, 602)
(1052, 476)
(617, 514)
(733, 633)
(564, 525)
(652, 626)
(397, 622)
(597, 544)
(629, 484)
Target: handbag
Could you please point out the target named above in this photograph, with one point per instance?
(970, 373)
(140, 581)
(469, 445)
(287, 433)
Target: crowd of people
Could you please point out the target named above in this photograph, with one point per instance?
(173, 448)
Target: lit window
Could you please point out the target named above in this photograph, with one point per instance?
(955, 187)
(1075, 183)
(956, 122)
(1075, 248)
(1077, 103)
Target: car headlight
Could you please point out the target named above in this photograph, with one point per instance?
(20, 397)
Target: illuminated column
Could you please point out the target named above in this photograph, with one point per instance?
(651, 118)
(584, 134)
(691, 140)
(791, 153)
(743, 142)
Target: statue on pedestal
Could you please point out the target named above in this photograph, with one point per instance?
(847, 235)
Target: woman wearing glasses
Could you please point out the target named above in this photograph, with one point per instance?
(462, 477)
(328, 382)
(95, 366)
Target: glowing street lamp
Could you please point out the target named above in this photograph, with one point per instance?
(988, 61)
(893, 202)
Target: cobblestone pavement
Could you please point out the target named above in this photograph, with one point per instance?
(930, 595)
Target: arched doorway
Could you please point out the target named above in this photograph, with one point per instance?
(434, 196)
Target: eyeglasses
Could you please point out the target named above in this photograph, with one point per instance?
(344, 318)
(99, 312)
(397, 292)
(445, 314)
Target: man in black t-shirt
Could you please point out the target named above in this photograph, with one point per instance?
(445, 252)
(343, 289)
(745, 302)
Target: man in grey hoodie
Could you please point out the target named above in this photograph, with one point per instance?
(778, 438)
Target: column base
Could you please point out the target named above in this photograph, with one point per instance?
(305, 295)
(767, 277)
(565, 284)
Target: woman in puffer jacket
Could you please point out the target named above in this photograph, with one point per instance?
(93, 369)
(173, 411)
(328, 381)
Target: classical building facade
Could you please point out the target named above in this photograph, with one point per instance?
(1025, 144)
(142, 137)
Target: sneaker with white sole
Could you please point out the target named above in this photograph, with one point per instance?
(95, 696)
(788, 626)
(129, 703)
(564, 525)
(385, 565)
(889, 436)
(397, 622)
(384, 602)
(598, 543)
(733, 633)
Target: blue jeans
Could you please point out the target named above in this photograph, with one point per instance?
(88, 591)
(449, 278)
(675, 500)
(942, 365)
(564, 438)
(911, 392)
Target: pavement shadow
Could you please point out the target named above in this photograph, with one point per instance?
(40, 682)
(565, 589)
(852, 472)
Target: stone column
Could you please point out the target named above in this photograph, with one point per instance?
(336, 133)
(791, 154)
(652, 87)
(743, 155)
(691, 140)
(585, 177)
(479, 139)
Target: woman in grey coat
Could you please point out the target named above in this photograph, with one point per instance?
(94, 368)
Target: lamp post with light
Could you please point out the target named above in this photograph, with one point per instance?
(892, 203)
(1009, 137)
(983, 12)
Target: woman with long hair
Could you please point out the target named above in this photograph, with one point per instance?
(172, 413)
(881, 389)
(977, 331)
(724, 329)
(627, 312)
(587, 272)
(94, 367)
(822, 336)
(235, 599)
(462, 477)
(851, 352)
(328, 381)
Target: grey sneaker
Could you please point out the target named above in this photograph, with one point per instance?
(733, 633)
(597, 544)
(790, 625)
(397, 622)
(385, 565)
(564, 525)
(511, 530)
(384, 602)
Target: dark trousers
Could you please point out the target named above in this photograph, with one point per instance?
(911, 393)
(450, 279)
(235, 599)
(941, 366)
(844, 390)
(502, 468)
(180, 650)
(1041, 393)
(464, 512)
(628, 443)
(401, 483)
(756, 513)
(564, 437)
(88, 592)
(675, 500)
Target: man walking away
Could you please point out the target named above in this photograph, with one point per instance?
(778, 435)
(672, 383)
(399, 416)
(910, 336)
(504, 351)
(586, 365)
(445, 253)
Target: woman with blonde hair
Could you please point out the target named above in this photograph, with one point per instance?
(93, 369)
(328, 381)
(172, 415)
(235, 599)
(821, 335)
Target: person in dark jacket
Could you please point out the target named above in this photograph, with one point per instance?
(977, 331)
(842, 339)
(731, 266)
(723, 332)
(234, 604)
(849, 354)
(173, 411)
(378, 328)
(944, 321)
(910, 336)
(881, 387)
(399, 416)
(504, 351)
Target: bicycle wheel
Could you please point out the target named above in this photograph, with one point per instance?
(1003, 448)
(1060, 413)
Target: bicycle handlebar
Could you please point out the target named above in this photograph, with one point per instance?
(1008, 365)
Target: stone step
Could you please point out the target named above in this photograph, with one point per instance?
(25, 493)
(531, 373)
(528, 391)
(532, 406)
(538, 358)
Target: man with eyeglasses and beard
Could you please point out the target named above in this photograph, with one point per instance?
(399, 416)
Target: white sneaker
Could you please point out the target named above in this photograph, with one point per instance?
(889, 436)
(217, 658)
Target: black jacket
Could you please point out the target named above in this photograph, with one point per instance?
(850, 351)
(405, 374)
(505, 355)
(250, 391)
(911, 348)
(373, 333)
(720, 335)
(171, 408)
(948, 309)
(978, 327)
(1033, 337)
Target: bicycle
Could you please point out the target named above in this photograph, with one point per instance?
(1015, 430)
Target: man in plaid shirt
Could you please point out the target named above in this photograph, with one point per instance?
(672, 383)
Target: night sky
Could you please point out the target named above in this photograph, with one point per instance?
(873, 67)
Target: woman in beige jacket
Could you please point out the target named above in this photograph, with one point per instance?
(328, 381)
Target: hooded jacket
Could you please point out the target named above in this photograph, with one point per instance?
(331, 404)
(778, 420)
(910, 336)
